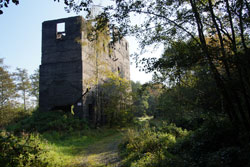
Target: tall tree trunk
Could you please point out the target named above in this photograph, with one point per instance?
(240, 68)
(220, 84)
(241, 26)
(235, 95)
(224, 58)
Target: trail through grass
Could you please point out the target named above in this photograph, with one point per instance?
(103, 152)
(92, 148)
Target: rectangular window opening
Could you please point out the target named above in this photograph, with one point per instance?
(60, 30)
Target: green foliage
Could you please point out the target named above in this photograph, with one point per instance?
(140, 99)
(117, 100)
(7, 87)
(145, 98)
(190, 95)
(215, 144)
(24, 151)
(49, 121)
(148, 145)
(10, 115)
(62, 138)
(23, 85)
(34, 78)
(177, 106)
(10, 86)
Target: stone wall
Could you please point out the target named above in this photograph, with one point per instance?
(66, 66)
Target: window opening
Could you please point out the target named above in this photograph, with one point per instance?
(60, 30)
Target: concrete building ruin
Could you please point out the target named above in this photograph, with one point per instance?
(66, 66)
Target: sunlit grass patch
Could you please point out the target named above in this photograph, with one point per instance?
(68, 149)
(145, 118)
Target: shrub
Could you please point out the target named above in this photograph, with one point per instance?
(9, 115)
(23, 151)
(215, 144)
(148, 146)
(49, 121)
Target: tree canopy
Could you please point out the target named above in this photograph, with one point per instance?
(210, 34)
(7, 86)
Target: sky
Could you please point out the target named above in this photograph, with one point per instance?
(20, 35)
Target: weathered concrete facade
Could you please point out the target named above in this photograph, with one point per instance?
(66, 66)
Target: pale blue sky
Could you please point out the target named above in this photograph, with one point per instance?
(20, 34)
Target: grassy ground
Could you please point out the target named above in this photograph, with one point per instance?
(67, 141)
(88, 148)
(103, 152)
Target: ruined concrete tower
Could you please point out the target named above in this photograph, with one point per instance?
(66, 66)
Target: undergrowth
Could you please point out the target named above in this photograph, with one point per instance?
(25, 150)
(59, 121)
(214, 144)
(147, 145)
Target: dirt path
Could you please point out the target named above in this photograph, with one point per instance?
(103, 153)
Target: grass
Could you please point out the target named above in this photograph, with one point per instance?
(71, 149)
(104, 152)
(68, 141)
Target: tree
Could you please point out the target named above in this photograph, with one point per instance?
(23, 85)
(220, 30)
(140, 98)
(35, 84)
(154, 91)
(7, 86)
(8, 94)
(71, 5)
(5, 3)
(182, 65)
(117, 99)
(97, 38)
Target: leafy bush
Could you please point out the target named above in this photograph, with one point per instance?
(214, 144)
(49, 121)
(22, 151)
(117, 102)
(147, 146)
(9, 115)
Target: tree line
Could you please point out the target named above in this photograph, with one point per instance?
(208, 39)
(17, 89)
